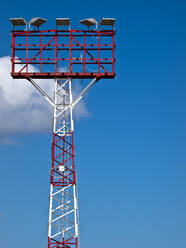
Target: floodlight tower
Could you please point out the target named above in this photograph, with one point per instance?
(63, 54)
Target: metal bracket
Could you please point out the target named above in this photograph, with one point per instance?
(41, 91)
(72, 105)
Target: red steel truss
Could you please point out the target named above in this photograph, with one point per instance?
(71, 242)
(63, 54)
(63, 155)
(62, 178)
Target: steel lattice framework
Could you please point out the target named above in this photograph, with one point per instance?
(63, 216)
(63, 55)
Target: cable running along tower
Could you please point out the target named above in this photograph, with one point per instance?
(63, 54)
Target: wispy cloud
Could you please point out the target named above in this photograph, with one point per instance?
(22, 109)
(80, 109)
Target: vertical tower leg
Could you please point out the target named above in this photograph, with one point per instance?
(63, 207)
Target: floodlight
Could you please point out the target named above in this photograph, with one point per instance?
(89, 22)
(18, 22)
(62, 21)
(37, 21)
(107, 21)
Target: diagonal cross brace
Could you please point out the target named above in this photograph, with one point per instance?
(82, 47)
(41, 91)
(37, 54)
(80, 96)
(72, 105)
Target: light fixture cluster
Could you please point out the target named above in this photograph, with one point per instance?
(38, 21)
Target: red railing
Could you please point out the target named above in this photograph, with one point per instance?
(63, 53)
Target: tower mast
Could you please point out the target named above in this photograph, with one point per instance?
(63, 207)
(43, 58)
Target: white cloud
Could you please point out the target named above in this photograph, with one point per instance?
(80, 109)
(22, 108)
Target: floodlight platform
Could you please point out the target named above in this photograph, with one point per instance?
(63, 54)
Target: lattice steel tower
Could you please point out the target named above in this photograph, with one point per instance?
(63, 54)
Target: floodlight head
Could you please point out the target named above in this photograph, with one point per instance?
(107, 21)
(89, 22)
(37, 21)
(18, 21)
(62, 21)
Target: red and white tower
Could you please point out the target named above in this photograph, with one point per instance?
(63, 55)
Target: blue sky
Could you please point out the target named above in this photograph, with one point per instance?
(130, 151)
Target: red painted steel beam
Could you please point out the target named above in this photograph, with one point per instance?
(62, 75)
